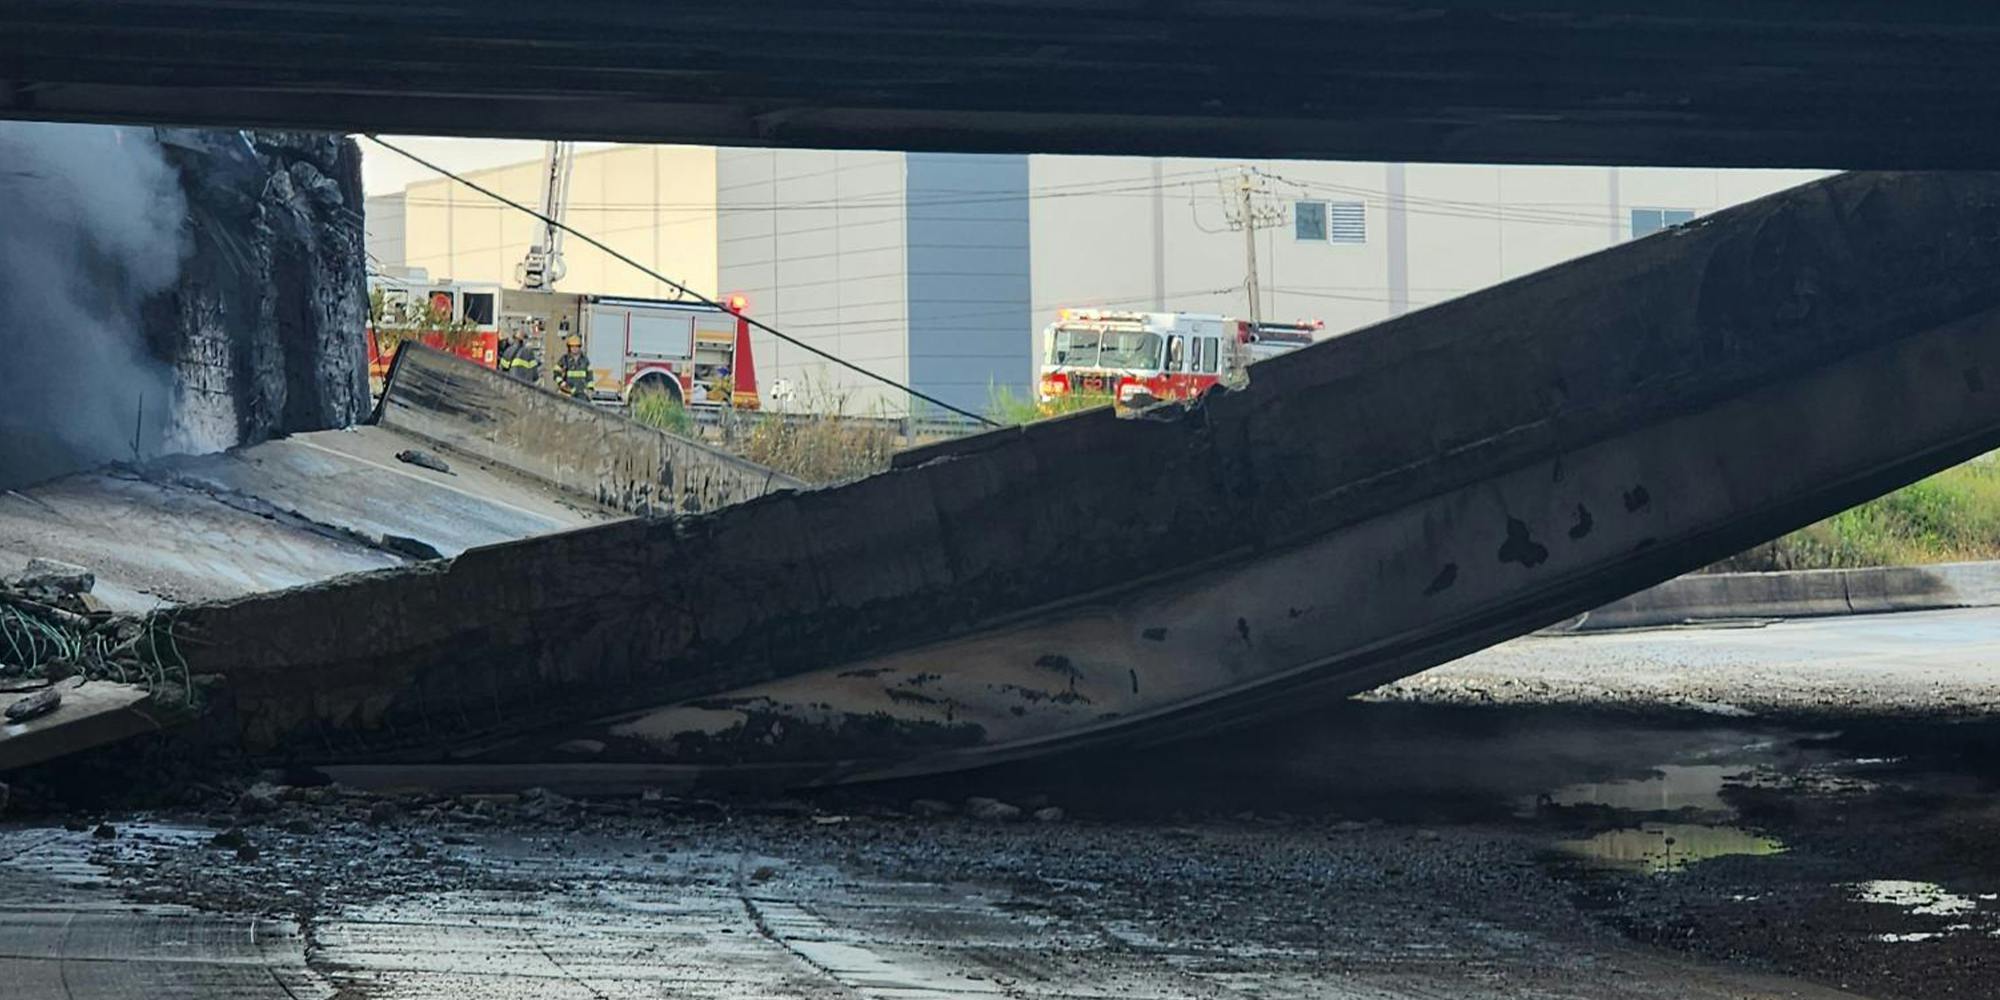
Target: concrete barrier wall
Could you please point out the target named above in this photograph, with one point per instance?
(1798, 594)
(471, 410)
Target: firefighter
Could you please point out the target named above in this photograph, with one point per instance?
(524, 354)
(573, 369)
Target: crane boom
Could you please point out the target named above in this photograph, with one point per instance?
(543, 265)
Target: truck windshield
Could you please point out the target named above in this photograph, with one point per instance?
(1130, 350)
(1073, 347)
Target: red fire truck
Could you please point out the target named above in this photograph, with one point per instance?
(454, 316)
(1136, 357)
(699, 354)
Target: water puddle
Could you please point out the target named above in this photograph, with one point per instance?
(1670, 788)
(1923, 898)
(1665, 847)
(1927, 899)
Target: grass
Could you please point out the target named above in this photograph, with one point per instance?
(823, 443)
(834, 446)
(1952, 516)
(658, 408)
(1004, 406)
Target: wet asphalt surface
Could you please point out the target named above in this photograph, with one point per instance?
(1800, 810)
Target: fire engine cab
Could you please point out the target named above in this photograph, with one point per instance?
(1137, 357)
(454, 316)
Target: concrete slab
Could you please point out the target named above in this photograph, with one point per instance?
(91, 714)
(352, 481)
(280, 514)
(576, 447)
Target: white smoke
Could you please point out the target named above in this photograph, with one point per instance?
(91, 224)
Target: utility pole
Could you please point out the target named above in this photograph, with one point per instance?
(1250, 208)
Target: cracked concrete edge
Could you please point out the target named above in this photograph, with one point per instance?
(1809, 593)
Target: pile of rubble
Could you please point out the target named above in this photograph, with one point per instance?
(52, 628)
(48, 583)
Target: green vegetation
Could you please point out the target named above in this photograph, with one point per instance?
(660, 408)
(1004, 407)
(1954, 515)
(821, 444)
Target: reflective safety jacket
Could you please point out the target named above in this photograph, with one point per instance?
(524, 362)
(573, 372)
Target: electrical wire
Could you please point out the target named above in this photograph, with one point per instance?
(1455, 209)
(682, 289)
(1119, 186)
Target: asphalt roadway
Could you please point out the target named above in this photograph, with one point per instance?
(1797, 809)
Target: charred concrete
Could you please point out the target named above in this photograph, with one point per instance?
(261, 329)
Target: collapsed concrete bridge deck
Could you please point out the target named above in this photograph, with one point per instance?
(456, 457)
(1364, 509)
(519, 462)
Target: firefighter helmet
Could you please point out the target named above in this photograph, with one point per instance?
(573, 342)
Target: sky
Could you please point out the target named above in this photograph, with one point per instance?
(383, 172)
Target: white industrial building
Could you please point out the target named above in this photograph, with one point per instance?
(939, 270)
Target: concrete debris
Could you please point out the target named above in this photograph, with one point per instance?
(991, 810)
(35, 705)
(423, 459)
(260, 799)
(53, 635)
(539, 802)
(52, 576)
(414, 548)
(105, 831)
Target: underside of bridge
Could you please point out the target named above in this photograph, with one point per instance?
(1831, 84)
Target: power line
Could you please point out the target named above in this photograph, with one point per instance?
(684, 290)
(1457, 209)
(887, 200)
